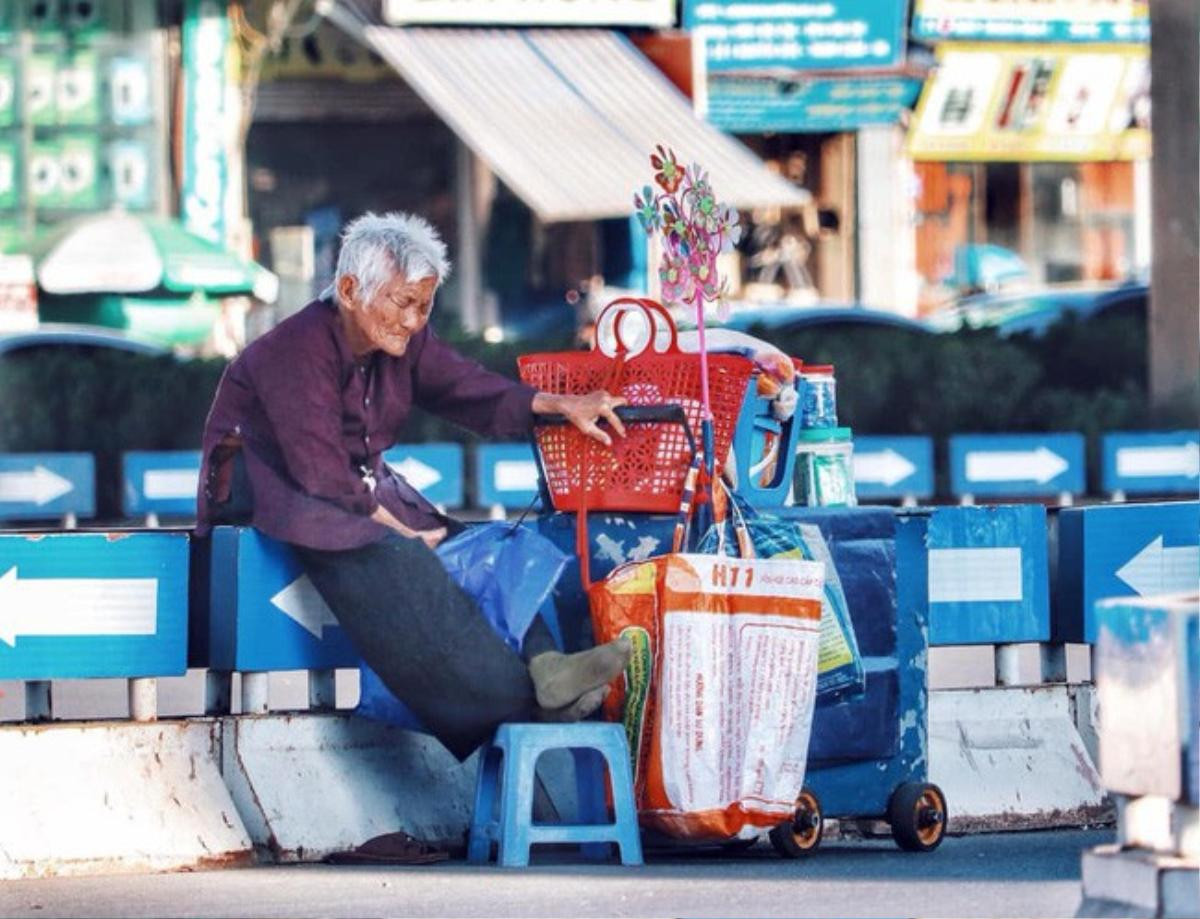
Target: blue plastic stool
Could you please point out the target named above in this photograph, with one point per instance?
(506, 773)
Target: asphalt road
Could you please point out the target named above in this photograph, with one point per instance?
(1010, 875)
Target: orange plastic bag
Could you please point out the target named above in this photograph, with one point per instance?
(718, 700)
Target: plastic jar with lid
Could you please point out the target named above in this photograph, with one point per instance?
(824, 474)
(818, 407)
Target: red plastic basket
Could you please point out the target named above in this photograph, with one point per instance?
(644, 471)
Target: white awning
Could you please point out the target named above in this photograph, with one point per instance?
(567, 118)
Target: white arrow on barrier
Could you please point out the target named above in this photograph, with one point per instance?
(1144, 462)
(1040, 465)
(516, 475)
(170, 483)
(76, 606)
(975, 575)
(301, 602)
(883, 467)
(1159, 570)
(419, 475)
(39, 486)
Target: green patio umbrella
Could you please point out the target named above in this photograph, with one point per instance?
(121, 253)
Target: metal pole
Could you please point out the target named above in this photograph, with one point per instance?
(470, 258)
(1175, 266)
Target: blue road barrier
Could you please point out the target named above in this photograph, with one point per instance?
(41, 486)
(433, 469)
(1017, 465)
(1148, 682)
(893, 467)
(160, 482)
(76, 605)
(988, 575)
(505, 474)
(263, 612)
(1151, 462)
(1122, 550)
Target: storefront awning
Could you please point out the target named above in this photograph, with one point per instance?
(567, 118)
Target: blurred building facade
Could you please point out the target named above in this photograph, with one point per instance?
(888, 153)
(1032, 136)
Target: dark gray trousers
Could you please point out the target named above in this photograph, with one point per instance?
(426, 638)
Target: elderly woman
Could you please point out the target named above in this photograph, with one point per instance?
(294, 444)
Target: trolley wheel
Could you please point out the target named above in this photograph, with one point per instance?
(917, 813)
(800, 836)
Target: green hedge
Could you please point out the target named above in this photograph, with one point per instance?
(1087, 377)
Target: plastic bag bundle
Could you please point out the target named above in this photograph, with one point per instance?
(717, 701)
(839, 667)
(509, 570)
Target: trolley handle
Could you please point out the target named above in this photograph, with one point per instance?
(640, 414)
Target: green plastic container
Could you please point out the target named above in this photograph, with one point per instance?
(824, 474)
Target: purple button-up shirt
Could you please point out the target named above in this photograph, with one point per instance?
(312, 422)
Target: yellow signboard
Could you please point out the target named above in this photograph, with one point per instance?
(1034, 102)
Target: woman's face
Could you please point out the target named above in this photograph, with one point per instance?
(397, 312)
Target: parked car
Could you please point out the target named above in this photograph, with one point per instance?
(788, 318)
(1036, 310)
(69, 335)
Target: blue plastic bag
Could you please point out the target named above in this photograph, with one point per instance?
(840, 670)
(510, 571)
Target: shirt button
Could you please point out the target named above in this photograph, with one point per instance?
(367, 401)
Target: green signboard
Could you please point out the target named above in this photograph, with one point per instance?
(744, 105)
(206, 36)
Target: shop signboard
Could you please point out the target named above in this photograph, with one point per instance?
(1034, 102)
(1032, 20)
(8, 92)
(18, 294)
(79, 173)
(740, 35)
(76, 92)
(206, 36)
(39, 78)
(8, 174)
(745, 104)
(653, 13)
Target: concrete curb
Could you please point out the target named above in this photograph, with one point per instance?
(115, 797)
(308, 784)
(1012, 758)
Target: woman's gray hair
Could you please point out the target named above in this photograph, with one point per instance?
(375, 247)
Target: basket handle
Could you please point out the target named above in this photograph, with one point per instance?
(629, 414)
(652, 310)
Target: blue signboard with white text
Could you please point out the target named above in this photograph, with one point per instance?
(1032, 20)
(743, 105)
(81, 605)
(827, 35)
(264, 613)
(893, 467)
(1122, 550)
(1017, 465)
(39, 486)
(160, 482)
(989, 577)
(433, 469)
(505, 474)
(1151, 462)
